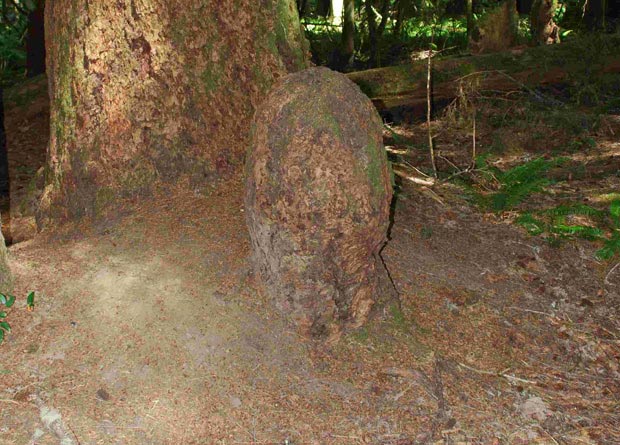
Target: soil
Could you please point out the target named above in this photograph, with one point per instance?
(150, 328)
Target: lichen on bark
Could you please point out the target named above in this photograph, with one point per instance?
(318, 192)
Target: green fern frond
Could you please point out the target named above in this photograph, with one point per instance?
(533, 225)
(585, 232)
(574, 209)
(610, 248)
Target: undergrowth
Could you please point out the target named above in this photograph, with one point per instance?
(8, 301)
(495, 190)
(578, 221)
(498, 191)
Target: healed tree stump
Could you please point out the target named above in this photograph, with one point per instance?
(318, 194)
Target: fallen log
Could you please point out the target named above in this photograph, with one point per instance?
(402, 89)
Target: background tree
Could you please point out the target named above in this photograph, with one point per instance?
(6, 280)
(376, 20)
(348, 32)
(35, 40)
(594, 14)
(542, 24)
(4, 161)
(156, 90)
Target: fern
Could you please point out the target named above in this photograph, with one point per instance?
(611, 247)
(515, 185)
(585, 232)
(552, 223)
(575, 209)
(534, 226)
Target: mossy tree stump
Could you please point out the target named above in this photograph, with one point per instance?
(318, 194)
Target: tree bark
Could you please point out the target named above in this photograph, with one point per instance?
(496, 30)
(469, 12)
(375, 31)
(544, 30)
(4, 159)
(318, 194)
(400, 16)
(348, 32)
(156, 90)
(6, 279)
(35, 41)
(594, 16)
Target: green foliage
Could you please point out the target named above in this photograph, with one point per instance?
(8, 301)
(563, 222)
(499, 190)
(12, 49)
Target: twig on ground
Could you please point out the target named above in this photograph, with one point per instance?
(396, 151)
(411, 374)
(609, 273)
(510, 378)
(546, 314)
(414, 179)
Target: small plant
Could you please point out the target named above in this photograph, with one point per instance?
(499, 190)
(556, 225)
(8, 301)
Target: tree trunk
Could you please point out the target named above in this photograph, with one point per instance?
(400, 16)
(348, 32)
(594, 16)
(302, 8)
(375, 31)
(372, 28)
(469, 12)
(4, 159)
(35, 41)
(544, 30)
(497, 29)
(524, 6)
(323, 8)
(6, 279)
(156, 90)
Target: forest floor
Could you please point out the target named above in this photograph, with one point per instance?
(149, 328)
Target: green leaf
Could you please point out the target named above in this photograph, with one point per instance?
(1, 335)
(532, 225)
(611, 247)
(4, 325)
(10, 300)
(30, 299)
(2, 299)
(2, 314)
(614, 209)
